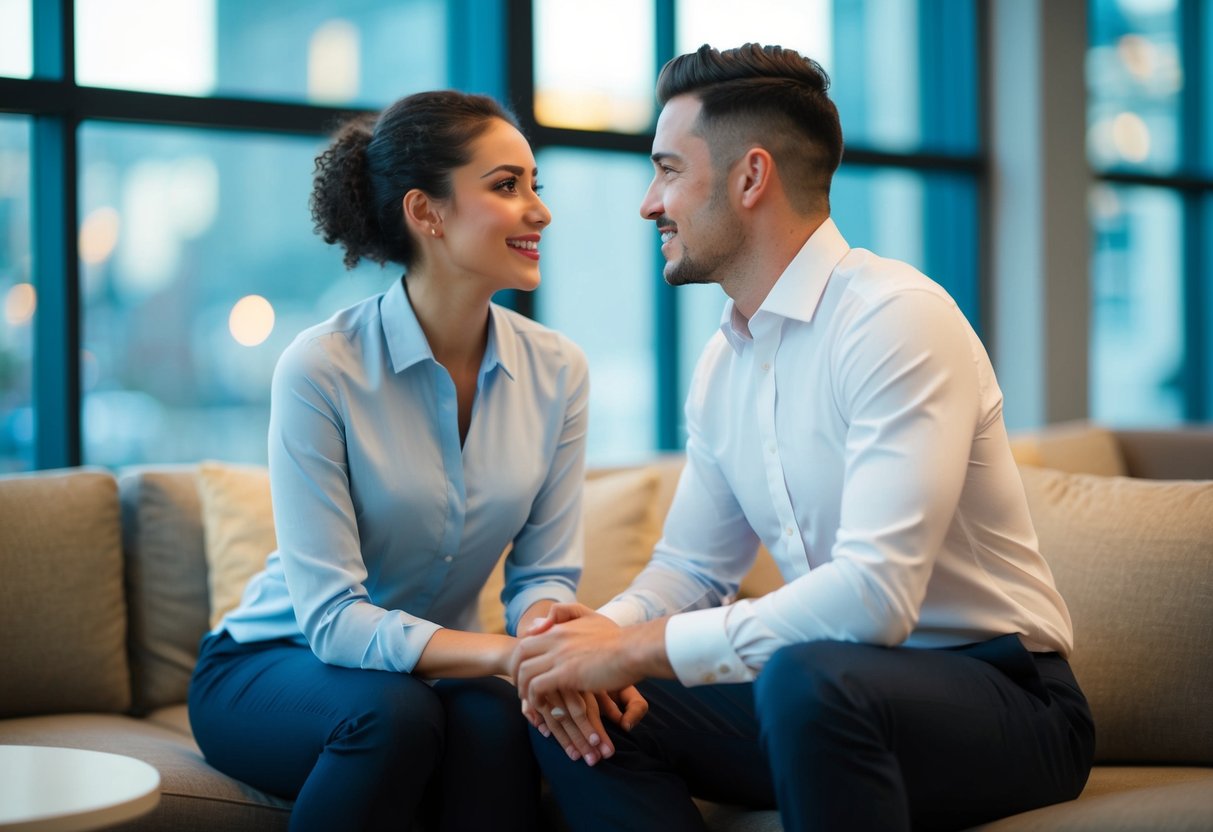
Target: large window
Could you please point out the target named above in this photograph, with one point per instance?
(905, 75)
(168, 256)
(1150, 110)
(18, 296)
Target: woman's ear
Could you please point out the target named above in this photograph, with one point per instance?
(753, 175)
(421, 214)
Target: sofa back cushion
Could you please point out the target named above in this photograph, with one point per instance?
(1079, 447)
(166, 580)
(1134, 561)
(62, 610)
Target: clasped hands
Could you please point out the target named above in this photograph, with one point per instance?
(571, 669)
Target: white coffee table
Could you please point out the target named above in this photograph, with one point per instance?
(70, 789)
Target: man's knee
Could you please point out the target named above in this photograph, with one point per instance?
(809, 684)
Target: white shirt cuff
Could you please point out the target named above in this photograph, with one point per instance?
(699, 649)
(624, 611)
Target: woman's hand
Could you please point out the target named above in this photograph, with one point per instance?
(574, 720)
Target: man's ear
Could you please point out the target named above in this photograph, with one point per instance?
(753, 174)
(421, 214)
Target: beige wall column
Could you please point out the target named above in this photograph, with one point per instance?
(1040, 235)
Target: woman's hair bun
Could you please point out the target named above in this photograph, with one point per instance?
(341, 203)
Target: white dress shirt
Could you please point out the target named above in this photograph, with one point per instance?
(855, 428)
(387, 527)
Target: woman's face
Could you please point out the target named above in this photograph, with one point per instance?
(492, 222)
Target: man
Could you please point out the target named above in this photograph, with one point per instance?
(911, 672)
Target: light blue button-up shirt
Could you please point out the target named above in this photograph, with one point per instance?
(387, 528)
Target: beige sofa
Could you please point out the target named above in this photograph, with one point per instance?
(108, 583)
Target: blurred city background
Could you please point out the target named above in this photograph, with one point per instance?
(197, 262)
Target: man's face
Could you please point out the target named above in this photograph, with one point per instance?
(688, 199)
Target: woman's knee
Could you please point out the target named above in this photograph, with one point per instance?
(487, 708)
(395, 712)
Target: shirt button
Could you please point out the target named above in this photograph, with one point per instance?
(448, 558)
(766, 366)
(709, 677)
(771, 447)
(789, 531)
(724, 668)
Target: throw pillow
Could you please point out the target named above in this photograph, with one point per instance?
(238, 524)
(621, 528)
(1134, 561)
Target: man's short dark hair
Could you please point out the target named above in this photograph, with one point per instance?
(766, 96)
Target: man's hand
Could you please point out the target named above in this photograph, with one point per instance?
(624, 707)
(574, 648)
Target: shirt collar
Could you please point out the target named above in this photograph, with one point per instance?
(407, 345)
(797, 292)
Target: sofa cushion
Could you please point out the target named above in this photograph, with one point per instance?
(1134, 561)
(62, 610)
(621, 526)
(165, 580)
(194, 797)
(1077, 447)
(1186, 803)
(238, 521)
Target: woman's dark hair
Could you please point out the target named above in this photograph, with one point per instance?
(764, 95)
(373, 162)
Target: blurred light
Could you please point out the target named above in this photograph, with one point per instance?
(332, 62)
(99, 235)
(16, 40)
(19, 304)
(251, 320)
(147, 45)
(1103, 203)
(1138, 56)
(90, 370)
(192, 194)
(1131, 137)
(1147, 8)
(163, 204)
(594, 64)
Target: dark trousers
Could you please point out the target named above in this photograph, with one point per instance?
(364, 749)
(845, 737)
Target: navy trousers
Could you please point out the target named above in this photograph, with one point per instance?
(842, 736)
(364, 749)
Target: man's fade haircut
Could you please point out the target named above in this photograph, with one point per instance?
(767, 96)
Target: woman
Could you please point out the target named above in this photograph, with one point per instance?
(412, 437)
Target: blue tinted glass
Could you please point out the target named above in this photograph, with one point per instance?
(357, 51)
(1135, 81)
(198, 266)
(599, 282)
(928, 220)
(904, 72)
(16, 38)
(18, 294)
(1137, 326)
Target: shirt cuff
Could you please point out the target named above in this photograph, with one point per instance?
(522, 602)
(624, 611)
(700, 651)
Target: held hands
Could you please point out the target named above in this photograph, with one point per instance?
(563, 656)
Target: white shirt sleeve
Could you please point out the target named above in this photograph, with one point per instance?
(909, 390)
